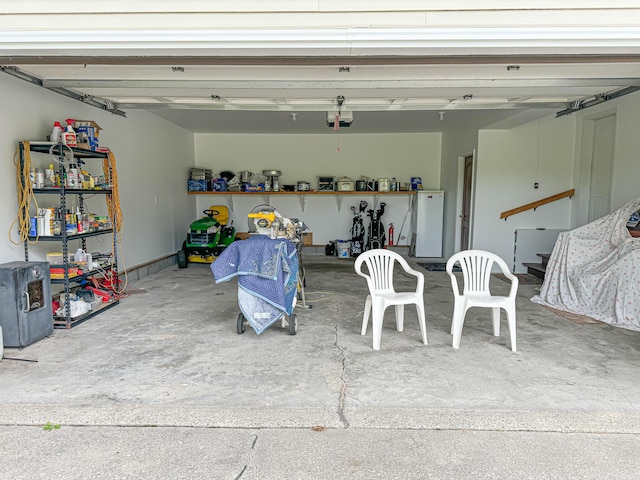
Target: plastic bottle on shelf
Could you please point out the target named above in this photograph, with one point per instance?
(72, 176)
(69, 137)
(50, 176)
(56, 133)
(80, 256)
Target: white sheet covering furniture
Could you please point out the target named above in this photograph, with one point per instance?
(594, 270)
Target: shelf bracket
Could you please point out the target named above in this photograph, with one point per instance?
(303, 201)
(230, 201)
(266, 198)
(339, 202)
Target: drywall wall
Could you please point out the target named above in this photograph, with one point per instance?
(626, 164)
(509, 162)
(304, 157)
(151, 154)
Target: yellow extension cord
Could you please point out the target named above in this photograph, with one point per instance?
(25, 196)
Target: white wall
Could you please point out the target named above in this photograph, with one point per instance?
(152, 156)
(304, 157)
(509, 162)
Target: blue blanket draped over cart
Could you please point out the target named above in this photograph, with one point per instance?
(267, 277)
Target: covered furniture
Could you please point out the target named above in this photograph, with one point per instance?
(594, 270)
(476, 266)
(380, 264)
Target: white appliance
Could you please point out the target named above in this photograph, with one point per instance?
(427, 224)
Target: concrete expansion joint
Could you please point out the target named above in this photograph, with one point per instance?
(343, 383)
(244, 468)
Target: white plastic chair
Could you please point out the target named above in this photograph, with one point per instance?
(476, 268)
(382, 294)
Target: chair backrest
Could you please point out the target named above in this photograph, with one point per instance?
(380, 264)
(476, 268)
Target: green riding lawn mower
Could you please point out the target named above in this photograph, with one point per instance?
(207, 237)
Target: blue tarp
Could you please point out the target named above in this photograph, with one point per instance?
(267, 272)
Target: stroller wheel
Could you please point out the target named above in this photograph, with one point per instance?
(240, 325)
(293, 324)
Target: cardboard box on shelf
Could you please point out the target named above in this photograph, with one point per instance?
(87, 134)
(307, 238)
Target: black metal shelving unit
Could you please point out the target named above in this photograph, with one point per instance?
(70, 282)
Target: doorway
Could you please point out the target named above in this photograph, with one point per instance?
(464, 202)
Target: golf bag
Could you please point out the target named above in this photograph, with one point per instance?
(357, 230)
(376, 234)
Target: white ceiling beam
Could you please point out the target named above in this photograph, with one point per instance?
(325, 42)
(373, 84)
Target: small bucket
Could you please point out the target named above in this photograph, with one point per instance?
(343, 249)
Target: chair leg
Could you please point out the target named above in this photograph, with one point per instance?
(511, 319)
(365, 318)
(377, 317)
(495, 316)
(459, 312)
(421, 319)
(400, 318)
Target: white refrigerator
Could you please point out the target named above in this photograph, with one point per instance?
(427, 224)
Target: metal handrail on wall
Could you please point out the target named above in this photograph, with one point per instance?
(536, 204)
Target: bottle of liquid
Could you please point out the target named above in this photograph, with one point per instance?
(56, 133)
(72, 176)
(69, 137)
(50, 176)
(80, 256)
(39, 178)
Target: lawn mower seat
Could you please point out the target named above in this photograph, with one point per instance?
(223, 216)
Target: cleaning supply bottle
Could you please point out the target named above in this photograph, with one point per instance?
(72, 176)
(56, 133)
(50, 176)
(69, 137)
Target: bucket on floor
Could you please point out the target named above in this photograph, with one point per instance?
(343, 248)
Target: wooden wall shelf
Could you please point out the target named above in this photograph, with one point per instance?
(303, 196)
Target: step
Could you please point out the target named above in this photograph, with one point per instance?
(544, 257)
(537, 269)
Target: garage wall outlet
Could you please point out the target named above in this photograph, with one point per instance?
(535, 185)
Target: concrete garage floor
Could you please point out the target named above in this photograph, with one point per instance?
(162, 386)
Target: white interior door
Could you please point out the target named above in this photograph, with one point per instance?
(601, 167)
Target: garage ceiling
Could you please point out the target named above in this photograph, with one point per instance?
(210, 67)
(295, 94)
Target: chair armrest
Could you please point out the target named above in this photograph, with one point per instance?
(414, 273)
(514, 281)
